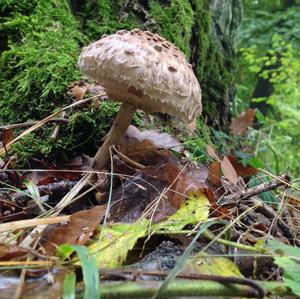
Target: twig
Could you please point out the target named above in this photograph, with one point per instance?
(21, 224)
(276, 182)
(57, 127)
(31, 123)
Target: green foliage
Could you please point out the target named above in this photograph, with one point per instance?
(38, 59)
(280, 135)
(288, 258)
(271, 43)
(89, 269)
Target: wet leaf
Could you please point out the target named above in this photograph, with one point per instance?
(7, 135)
(144, 152)
(240, 124)
(215, 173)
(241, 170)
(78, 231)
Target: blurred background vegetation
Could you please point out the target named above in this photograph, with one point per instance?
(268, 79)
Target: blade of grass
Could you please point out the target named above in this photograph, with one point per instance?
(69, 286)
(89, 270)
(35, 193)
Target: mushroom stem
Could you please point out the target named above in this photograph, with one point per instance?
(114, 136)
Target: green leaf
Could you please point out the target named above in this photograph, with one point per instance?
(291, 274)
(89, 270)
(116, 241)
(69, 286)
(35, 193)
(194, 210)
(288, 258)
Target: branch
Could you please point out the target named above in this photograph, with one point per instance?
(271, 185)
(183, 287)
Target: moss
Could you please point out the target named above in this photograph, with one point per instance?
(174, 21)
(103, 17)
(40, 48)
(39, 58)
(213, 69)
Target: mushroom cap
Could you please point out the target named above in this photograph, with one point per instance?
(145, 70)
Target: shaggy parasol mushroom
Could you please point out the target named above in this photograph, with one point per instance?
(143, 71)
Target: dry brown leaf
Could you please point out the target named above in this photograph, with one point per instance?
(241, 170)
(160, 140)
(228, 171)
(8, 252)
(212, 153)
(78, 92)
(241, 123)
(214, 175)
(77, 231)
(192, 126)
(7, 135)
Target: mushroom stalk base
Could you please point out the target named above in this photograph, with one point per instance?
(114, 136)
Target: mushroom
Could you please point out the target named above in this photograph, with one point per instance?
(143, 71)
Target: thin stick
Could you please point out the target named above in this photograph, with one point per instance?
(31, 123)
(20, 224)
(276, 182)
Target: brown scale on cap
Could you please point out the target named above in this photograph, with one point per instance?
(144, 71)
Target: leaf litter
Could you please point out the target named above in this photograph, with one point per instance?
(154, 195)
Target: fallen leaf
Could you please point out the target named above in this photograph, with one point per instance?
(241, 170)
(77, 232)
(219, 266)
(6, 136)
(192, 211)
(8, 252)
(78, 92)
(212, 153)
(219, 211)
(214, 175)
(241, 123)
(117, 240)
(228, 171)
(160, 140)
(168, 184)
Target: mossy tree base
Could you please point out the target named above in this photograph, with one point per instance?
(42, 42)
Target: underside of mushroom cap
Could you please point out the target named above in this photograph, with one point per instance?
(143, 69)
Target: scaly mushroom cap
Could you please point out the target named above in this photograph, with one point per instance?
(145, 70)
